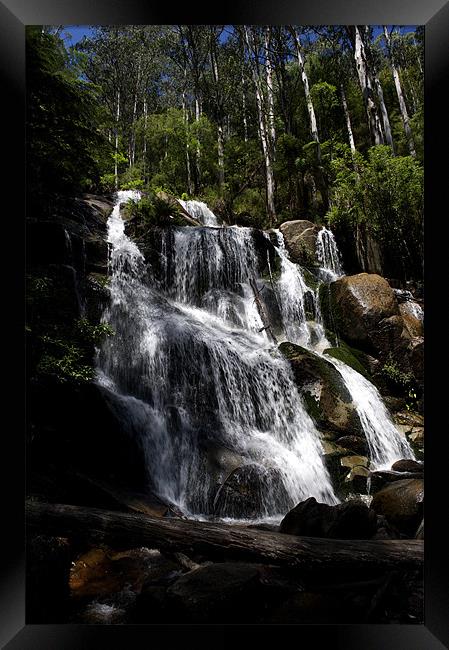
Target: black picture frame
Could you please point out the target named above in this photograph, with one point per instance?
(14, 15)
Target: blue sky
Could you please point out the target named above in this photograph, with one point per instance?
(77, 32)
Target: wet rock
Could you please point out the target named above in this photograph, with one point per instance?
(349, 520)
(300, 241)
(326, 397)
(413, 323)
(359, 303)
(357, 479)
(409, 418)
(381, 478)
(354, 461)
(401, 503)
(407, 465)
(243, 493)
(353, 443)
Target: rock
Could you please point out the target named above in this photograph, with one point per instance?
(413, 323)
(300, 241)
(359, 303)
(243, 493)
(409, 418)
(407, 465)
(217, 593)
(391, 338)
(357, 479)
(381, 478)
(385, 530)
(354, 461)
(416, 357)
(315, 608)
(326, 397)
(349, 520)
(416, 435)
(401, 503)
(353, 443)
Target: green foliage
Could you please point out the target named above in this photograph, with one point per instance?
(152, 210)
(250, 204)
(65, 148)
(401, 382)
(385, 192)
(67, 356)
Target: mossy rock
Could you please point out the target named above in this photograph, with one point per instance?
(350, 357)
(326, 397)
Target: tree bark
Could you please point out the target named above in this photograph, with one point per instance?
(219, 541)
(305, 82)
(117, 118)
(366, 85)
(348, 119)
(263, 132)
(270, 94)
(400, 94)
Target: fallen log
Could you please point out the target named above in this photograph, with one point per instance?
(262, 311)
(219, 541)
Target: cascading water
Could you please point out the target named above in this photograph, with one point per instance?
(328, 255)
(385, 443)
(188, 373)
(200, 212)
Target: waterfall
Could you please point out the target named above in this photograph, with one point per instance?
(189, 372)
(328, 255)
(200, 212)
(385, 443)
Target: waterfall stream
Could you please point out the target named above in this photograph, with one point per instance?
(195, 381)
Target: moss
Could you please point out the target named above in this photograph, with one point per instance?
(310, 279)
(345, 353)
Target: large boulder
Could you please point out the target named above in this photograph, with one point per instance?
(359, 303)
(401, 503)
(327, 399)
(412, 315)
(300, 241)
(349, 520)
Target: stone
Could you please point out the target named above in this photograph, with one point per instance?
(354, 461)
(300, 241)
(326, 397)
(353, 443)
(358, 479)
(413, 324)
(241, 495)
(359, 303)
(401, 503)
(410, 418)
(349, 520)
(407, 465)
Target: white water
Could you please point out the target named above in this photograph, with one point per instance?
(386, 444)
(328, 255)
(200, 211)
(188, 370)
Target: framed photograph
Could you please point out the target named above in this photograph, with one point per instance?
(224, 269)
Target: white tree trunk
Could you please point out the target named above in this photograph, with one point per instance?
(245, 121)
(366, 86)
(305, 82)
(220, 137)
(145, 121)
(263, 131)
(198, 147)
(270, 94)
(117, 118)
(348, 119)
(400, 94)
(186, 125)
(132, 157)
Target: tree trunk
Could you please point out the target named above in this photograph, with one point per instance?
(263, 132)
(366, 86)
(245, 121)
(117, 117)
(132, 157)
(348, 119)
(145, 121)
(400, 94)
(305, 82)
(270, 94)
(220, 541)
(198, 148)
(220, 138)
(186, 126)
(262, 311)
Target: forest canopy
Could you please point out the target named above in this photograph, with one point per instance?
(264, 123)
